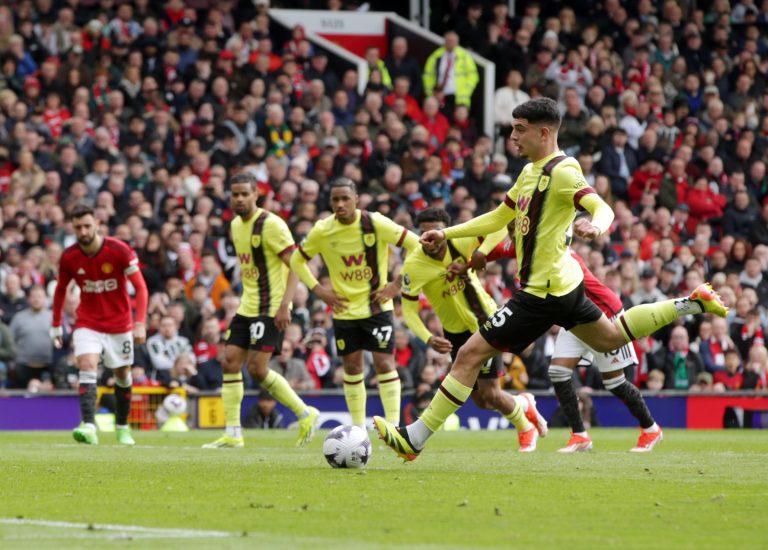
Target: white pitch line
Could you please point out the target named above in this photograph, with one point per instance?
(138, 529)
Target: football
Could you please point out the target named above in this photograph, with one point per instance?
(347, 447)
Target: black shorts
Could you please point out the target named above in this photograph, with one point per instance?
(492, 369)
(254, 333)
(376, 333)
(525, 317)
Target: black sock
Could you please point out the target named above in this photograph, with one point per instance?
(569, 403)
(122, 404)
(88, 403)
(634, 401)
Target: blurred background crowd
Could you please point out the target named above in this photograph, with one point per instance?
(145, 109)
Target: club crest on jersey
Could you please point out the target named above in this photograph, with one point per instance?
(369, 239)
(341, 344)
(255, 241)
(407, 279)
(107, 268)
(543, 183)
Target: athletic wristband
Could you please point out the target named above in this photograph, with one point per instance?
(56, 332)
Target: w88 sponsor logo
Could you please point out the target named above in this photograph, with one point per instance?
(102, 285)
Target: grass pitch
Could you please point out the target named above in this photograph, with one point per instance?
(469, 490)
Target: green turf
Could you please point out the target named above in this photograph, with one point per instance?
(468, 490)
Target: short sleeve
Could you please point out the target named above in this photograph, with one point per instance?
(310, 246)
(277, 235)
(570, 184)
(389, 231)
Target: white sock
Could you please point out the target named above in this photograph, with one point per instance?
(234, 431)
(522, 401)
(418, 433)
(582, 434)
(653, 429)
(304, 414)
(686, 306)
(90, 426)
(120, 426)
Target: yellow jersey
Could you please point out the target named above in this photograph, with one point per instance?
(356, 256)
(461, 303)
(259, 241)
(545, 207)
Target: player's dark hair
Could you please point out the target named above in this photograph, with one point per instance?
(344, 182)
(80, 210)
(541, 110)
(244, 177)
(433, 215)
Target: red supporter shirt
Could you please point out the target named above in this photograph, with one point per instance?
(105, 305)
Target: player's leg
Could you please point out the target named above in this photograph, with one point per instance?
(611, 366)
(519, 410)
(350, 339)
(568, 352)
(354, 386)
(513, 327)
(88, 348)
(643, 320)
(118, 356)
(281, 390)
(389, 385)
(453, 392)
(379, 339)
(232, 390)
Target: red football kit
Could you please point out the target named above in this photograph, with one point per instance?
(105, 305)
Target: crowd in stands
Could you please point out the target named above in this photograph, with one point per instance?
(145, 110)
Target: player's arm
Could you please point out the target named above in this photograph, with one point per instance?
(602, 217)
(488, 223)
(397, 235)
(142, 299)
(305, 252)
(283, 316)
(414, 322)
(571, 186)
(57, 333)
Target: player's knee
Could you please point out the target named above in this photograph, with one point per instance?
(485, 398)
(613, 383)
(559, 373)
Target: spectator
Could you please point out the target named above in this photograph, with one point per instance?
(678, 362)
(618, 162)
(714, 342)
(210, 277)
(399, 63)
(165, 347)
(450, 74)
(29, 329)
(264, 415)
(732, 376)
(291, 368)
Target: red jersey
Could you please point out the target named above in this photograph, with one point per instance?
(105, 305)
(601, 295)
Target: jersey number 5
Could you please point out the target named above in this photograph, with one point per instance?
(500, 317)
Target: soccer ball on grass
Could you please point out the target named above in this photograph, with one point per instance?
(347, 447)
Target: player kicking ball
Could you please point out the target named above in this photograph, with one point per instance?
(569, 352)
(543, 204)
(101, 267)
(264, 245)
(462, 305)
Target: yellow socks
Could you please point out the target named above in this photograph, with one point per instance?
(645, 319)
(232, 397)
(449, 397)
(354, 393)
(517, 416)
(389, 391)
(282, 391)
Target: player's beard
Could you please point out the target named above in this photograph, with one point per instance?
(86, 241)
